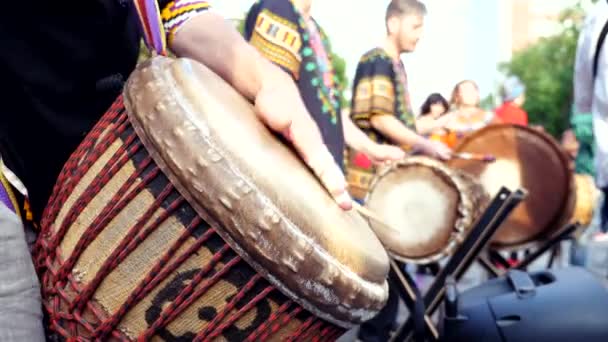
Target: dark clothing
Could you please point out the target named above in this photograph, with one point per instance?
(299, 47)
(55, 63)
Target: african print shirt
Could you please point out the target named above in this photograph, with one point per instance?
(380, 88)
(298, 46)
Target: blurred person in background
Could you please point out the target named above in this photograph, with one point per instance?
(591, 92)
(513, 98)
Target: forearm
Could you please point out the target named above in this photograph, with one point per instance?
(353, 136)
(224, 51)
(395, 130)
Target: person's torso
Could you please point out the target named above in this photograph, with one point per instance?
(380, 88)
(509, 113)
(62, 63)
(319, 90)
(377, 67)
(300, 48)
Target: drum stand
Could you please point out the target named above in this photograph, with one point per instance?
(490, 260)
(422, 307)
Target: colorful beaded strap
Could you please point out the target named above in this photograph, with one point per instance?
(152, 25)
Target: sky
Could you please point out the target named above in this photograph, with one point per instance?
(463, 39)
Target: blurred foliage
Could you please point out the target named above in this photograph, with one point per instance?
(546, 68)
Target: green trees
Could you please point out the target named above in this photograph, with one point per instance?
(547, 69)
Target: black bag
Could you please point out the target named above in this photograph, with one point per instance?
(552, 306)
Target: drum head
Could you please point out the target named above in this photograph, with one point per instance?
(428, 206)
(260, 197)
(525, 158)
(586, 194)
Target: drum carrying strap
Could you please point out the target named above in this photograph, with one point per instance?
(152, 25)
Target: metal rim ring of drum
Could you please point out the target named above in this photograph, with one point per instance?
(525, 158)
(430, 207)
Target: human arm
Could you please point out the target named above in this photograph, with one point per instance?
(358, 141)
(211, 40)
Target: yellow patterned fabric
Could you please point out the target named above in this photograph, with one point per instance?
(278, 40)
(373, 96)
(7, 196)
(178, 12)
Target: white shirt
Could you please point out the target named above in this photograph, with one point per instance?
(592, 96)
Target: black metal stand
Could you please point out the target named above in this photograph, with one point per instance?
(551, 244)
(498, 210)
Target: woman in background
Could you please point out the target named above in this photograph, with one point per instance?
(432, 114)
(467, 115)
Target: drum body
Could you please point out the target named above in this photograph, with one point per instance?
(586, 197)
(130, 249)
(529, 159)
(429, 206)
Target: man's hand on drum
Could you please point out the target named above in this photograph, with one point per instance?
(277, 101)
(280, 106)
(357, 140)
(434, 149)
(381, 154)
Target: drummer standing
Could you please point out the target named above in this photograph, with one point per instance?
(381, 104)
(61, 71)
(381, 107)
(285, 33)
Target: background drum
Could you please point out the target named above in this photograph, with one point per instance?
(126, 251)
(586, 197)
(529, 159)
(430, 207)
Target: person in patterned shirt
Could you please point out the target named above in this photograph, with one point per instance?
(285, 33)
(381, 108)
(381, 104)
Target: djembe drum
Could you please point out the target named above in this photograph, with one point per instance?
(184, 218)
(525, 158)
(429, 207)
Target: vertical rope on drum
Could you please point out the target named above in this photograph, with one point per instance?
(239, 313)
(334, 334)
(296, 334)
(273, 317)
(307, 334)
(203, 289)
(324, 332)
(112, 167)
(107, 215)
(158, 273)
(274, 328)
(327, 332)
(66, 184)
(176, 306)
(70, 173)
(87, 196)
(113, 260)
(55, 238)
(229, 307)
(113, 112)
